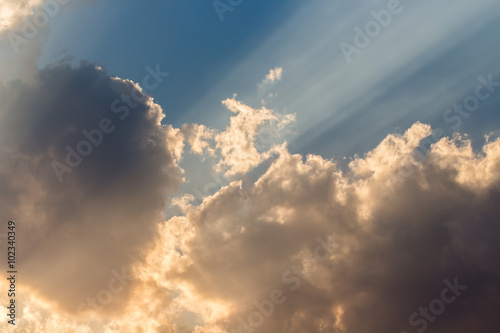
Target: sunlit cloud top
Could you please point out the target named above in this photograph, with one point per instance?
(13, 11)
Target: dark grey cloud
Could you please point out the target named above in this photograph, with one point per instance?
(76, 227)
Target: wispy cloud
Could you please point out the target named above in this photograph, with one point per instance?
(273, 75)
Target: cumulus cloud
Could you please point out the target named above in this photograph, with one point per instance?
(393, 247)
(237, 142)
(344, 251)
(198, 137)
(86, 172)
(249, 139)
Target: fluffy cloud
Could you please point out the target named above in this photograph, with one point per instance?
(86, 172)
(248, 140)
(393, 245)
(237, 142)
(198, 137)
(355, 250)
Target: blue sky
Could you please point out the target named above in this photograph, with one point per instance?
(426, 59)
(187, 40)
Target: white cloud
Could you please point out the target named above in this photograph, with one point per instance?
(237, 142)
(273, 75)
(197, 136)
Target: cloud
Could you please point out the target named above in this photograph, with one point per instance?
(273, 75)
(23, 29)
(197, 136)
(390, 229)
(249, 139)
(183, 202)
(86, 172)
(237, 142)
(13, 11)
(394, 247)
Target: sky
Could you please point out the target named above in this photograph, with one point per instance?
(250, 166)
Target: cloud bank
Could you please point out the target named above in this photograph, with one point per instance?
(394, 247)
(397, 242)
